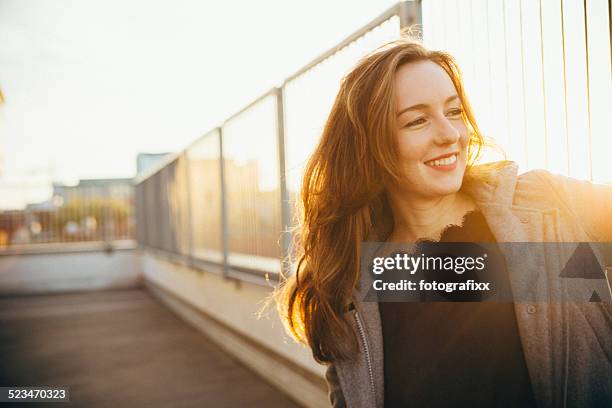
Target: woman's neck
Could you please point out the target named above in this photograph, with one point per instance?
(419, 217)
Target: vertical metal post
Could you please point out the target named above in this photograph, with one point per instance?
(224, 219)
(284, 193)
(588, 86)
(146, 187)
(157, 209)
(410, 14)
(187, 175)
(139, 232)
(107, 215)
(143, 217)
(27, 219)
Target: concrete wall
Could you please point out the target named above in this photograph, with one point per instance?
(235, 305)
(66, 272)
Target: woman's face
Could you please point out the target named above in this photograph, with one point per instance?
(432, 134)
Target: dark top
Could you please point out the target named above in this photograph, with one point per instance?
(466, 353)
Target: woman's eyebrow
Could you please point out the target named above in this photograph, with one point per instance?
(424, 106)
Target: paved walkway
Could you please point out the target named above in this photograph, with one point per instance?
(121, 349)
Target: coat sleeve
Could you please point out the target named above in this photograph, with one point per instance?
(336, 398)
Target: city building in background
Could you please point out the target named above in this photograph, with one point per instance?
(145, 161)
(92, 210)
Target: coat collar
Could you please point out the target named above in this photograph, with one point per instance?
(491, 183)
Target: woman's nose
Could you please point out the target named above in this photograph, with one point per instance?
(447, 132)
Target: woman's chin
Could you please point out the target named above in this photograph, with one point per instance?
(443, 190)
(445, 187)
(445, 183)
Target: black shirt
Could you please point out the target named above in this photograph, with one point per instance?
(455, 353)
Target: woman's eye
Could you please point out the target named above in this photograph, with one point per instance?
(456, 112)
(417, 122)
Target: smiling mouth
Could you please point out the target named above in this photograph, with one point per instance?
(447, 161)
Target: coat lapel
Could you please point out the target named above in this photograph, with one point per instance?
(539, 323)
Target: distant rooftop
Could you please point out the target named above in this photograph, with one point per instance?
(145, 161)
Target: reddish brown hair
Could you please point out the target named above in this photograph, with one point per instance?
(343, 196)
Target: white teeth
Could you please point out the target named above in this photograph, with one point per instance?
(443, 162)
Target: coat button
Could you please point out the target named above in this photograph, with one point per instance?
(531, 309)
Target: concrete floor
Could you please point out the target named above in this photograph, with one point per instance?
(120, 349)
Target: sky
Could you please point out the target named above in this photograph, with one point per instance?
(89, 84)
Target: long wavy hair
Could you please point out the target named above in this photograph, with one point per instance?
(343, 197)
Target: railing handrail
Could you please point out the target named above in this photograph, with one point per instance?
(396, 9)
(67, 247)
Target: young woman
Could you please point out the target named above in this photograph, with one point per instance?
(396, 163)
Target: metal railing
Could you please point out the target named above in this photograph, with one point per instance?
(224, 203)
(93, 211)
(539, 74)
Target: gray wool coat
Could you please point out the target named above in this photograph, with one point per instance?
(568, 344)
